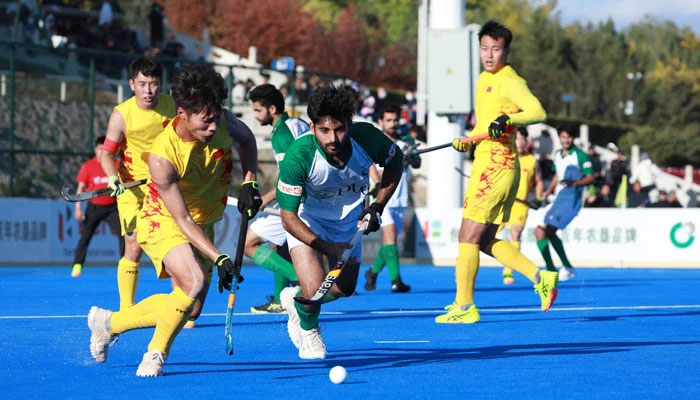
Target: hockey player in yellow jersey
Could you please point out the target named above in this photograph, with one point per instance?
(190, 166)
(133, 126)
(529, 177)
(503, 100)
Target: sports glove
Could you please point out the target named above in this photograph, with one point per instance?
(498, 126)
(568, 182)
(115, 185)
(249, 199)
(375, 217)
(225, 268)
(461, 147)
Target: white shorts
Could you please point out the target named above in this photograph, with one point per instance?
(332, 233)
(269, 227)
(393, 216)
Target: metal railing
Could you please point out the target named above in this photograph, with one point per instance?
(54, 87)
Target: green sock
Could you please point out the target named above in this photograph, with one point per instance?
(327, 298)
(268, 259)
(280, 283)
(309, 318)
(543, 245)
(391, 255)
(379, 262)
(559, 248)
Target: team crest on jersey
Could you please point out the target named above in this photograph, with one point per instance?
(392, 153)
(289, 189)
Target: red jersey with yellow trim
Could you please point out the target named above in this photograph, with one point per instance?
(141, 129)
(503, 92)
(203, 170)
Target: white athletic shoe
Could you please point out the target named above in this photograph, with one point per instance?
(100, 339)
(294, 323)
(312, 346)
(151, 364)
(566, 273)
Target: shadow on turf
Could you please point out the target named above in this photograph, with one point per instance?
(396, 357)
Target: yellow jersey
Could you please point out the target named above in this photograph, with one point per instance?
(141, 129)
(203, 170)
(503, 92)
(527, 171)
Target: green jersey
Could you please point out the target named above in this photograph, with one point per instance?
(315, 188)
(285, 132)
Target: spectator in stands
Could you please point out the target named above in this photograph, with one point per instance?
(596, 165)
(106, 13)
(662, 201)
(636, 197)
(618, 167)
(646, 173)
(673, 199)
(155, 17)
(238, 93)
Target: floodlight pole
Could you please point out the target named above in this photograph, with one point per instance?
(445, 187)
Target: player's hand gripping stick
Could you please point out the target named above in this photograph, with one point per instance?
(335, 271)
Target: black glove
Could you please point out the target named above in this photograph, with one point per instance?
(568, 182)
(498, 126)
(225, 268)
(249, 199)
(375, 217)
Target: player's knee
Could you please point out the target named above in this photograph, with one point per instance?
(550, 231)
(539, 233)
(192, 282)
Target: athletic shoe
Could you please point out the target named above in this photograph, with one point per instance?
(271, 307)
(77, 270)
(449, 306)
(398, 286)
(294, 322)
(312, 346)
(189, 324)
(151, 364)
(370, 280)
(547, 288)
(100, 337)
(566, 273)
(508, 278)
(455, 315)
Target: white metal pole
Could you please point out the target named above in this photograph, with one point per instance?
(444, 184)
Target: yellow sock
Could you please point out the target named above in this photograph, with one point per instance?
(143, 314)
(511, 257)
(506, 270)
(173, 316)
(465, 272)
(127, 280)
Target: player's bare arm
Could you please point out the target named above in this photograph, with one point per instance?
(390, 179)
(242, 134)
(115, 133)
(164, 177)
(79, 215)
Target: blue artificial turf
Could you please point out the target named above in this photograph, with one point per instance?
(613, 333)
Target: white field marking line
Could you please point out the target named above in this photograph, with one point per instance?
(400, 341)
(406, 312)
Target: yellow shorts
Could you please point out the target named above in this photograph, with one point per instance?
(518, 214)
(157, 235)
(129, 205)
(490, 194)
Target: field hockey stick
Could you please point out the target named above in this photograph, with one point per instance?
(232, 201)
(526, 202)
(66, 191)
(336, 270)
(465, 140)
(238, 261)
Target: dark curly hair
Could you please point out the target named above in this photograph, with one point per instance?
(199, 87)
(267, 95)
(391, 109)
(330, 101)
(496, 31)
(148, 66)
